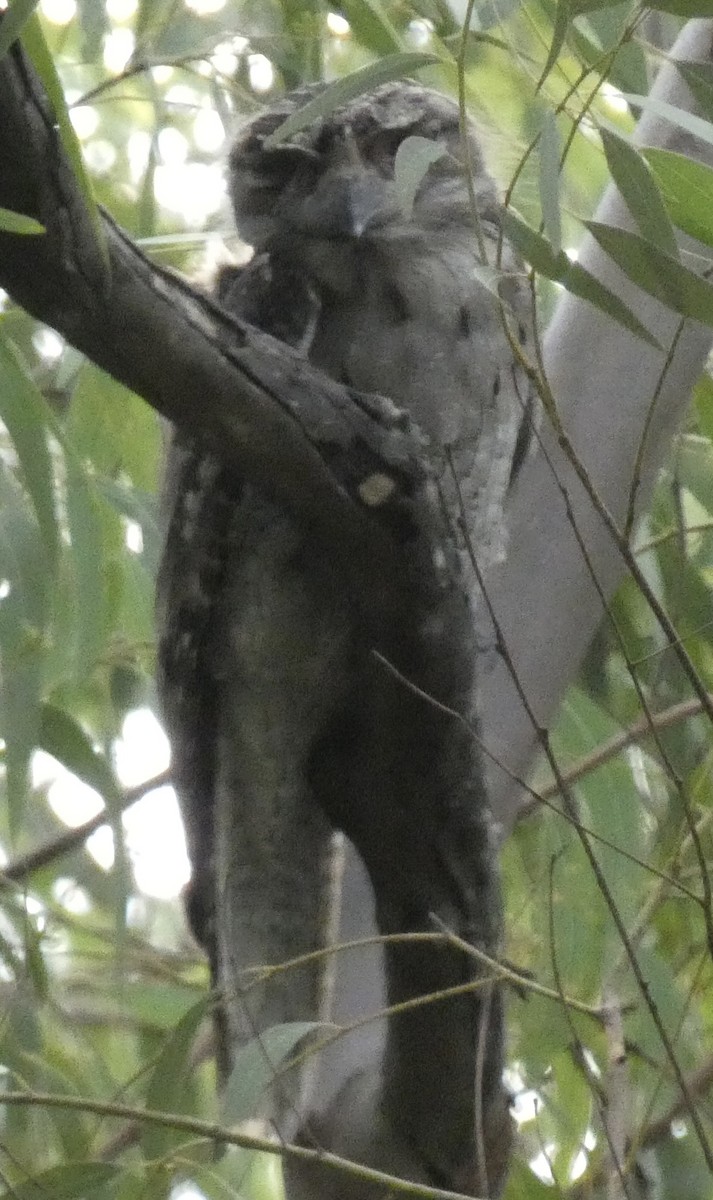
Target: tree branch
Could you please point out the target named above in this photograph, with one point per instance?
(26, 864)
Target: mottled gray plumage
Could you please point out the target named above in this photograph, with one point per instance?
(259, 645)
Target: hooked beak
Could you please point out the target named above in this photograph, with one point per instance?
(347, 203)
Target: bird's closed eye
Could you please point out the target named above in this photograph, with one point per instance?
(283, 160)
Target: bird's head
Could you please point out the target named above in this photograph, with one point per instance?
(339, 178)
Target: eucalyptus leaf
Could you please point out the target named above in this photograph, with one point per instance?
(169, 1087)
(699, 77)
(26, 415)
(62, 736)
(656, 272)
(413, 158)
(24, 617)
(14, 19)
(88, 557)
(687, 189)
(43, 62)
(14, 222)
(550, 150)
(687, 9)
(341, 91)
(572, 275)
(66, 1182)
(698, 126)
(371, 24)
(637, 184)
(256, 1065)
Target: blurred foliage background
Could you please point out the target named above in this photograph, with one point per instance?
(103, 992)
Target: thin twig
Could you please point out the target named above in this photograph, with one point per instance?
(27, 864)
(213, 1132)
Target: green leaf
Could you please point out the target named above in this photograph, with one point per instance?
(635, 180)
(413, 158)
(534, 247)
(687, 188)
(684, 8)
(14, 222)
(24, 411)
(371, 26)
(549, 180)
(580, 282)
(113, 428)
(574, 277)
(703, 403)
(63, 737)
(698, 126)
(214, 1187)
(394, 66)
(24, 612)
(34, 960)
(680, 1168)
(610, 802)
(492, 13)
(141, 507)
(34, 43)
(656, 273)
(85, 528)
(563, 16)
(699, 77)
(256, 1065)
(66, 1182)
(566, 1120)
(152, 18)
(13, 22)
(170, 1088)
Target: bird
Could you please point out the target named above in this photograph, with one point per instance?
(378, 254)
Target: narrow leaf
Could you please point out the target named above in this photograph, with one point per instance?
(256, 1066)
(696, 125)
(534, 247)
(88, 558)
(24, 611)
(574, 277)
(684, 8)
(635, 180)
(549, 180)
(413, 158)
(580, 282)
(394, 66)
(169, 1087)
(492, 13)
(560, 25)
(657, 273)
(14, 222)
(372, 26)
(13, 21)
(63, 737)
(699, 77)
(687, 188)
(43, 62)
(213, 1187)
(24, 411)
(66, 1182)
